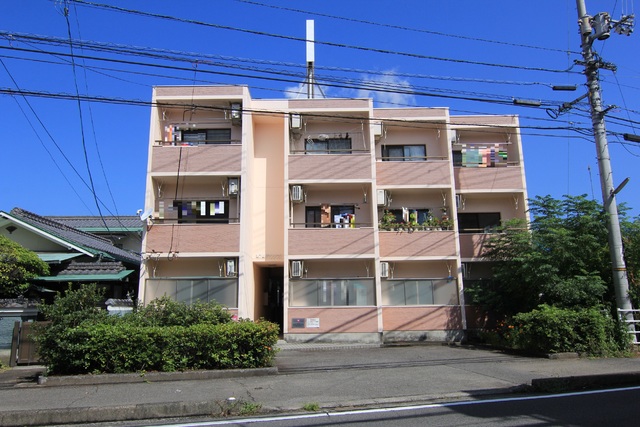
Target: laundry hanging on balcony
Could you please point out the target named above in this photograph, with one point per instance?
(483, 156)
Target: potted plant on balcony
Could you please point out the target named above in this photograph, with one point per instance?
(446, 224)
(430, 223)
(413, 222)
(445, 215)
(387, 221)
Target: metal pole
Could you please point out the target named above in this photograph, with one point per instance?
(620, 282)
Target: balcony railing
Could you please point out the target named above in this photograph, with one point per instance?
(330, 225)
(193, 238)
(420, 244)
(474, 245)
(331, 241)
(330, 166)
(430, 172)
(331, 292)
(196, 158)
(489, 179)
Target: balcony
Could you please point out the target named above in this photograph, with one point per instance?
(431, 173)
(330, 166)
(193, 238)
(489, 179)
(331, 241)
(197, 158)
(417, 244)
(474, 245)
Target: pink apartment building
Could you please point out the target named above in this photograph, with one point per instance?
(335, 219)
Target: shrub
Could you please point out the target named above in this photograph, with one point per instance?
(165, 311)
(164, 336)
(554, 330)
(126, 347)
(68, 311)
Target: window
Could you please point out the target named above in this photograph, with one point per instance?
(221, 290)
(402, 215)
(478, 222)
(342, 216)
(202, 210)
(313, 217)
(328, 146)
(419, 292)
(406, 153)
(207, 136)
(457, 158)
(331, 292)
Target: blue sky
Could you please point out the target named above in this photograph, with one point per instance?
(471, 56)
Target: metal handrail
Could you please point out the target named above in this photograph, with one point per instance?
(622, 314)
(334, 225)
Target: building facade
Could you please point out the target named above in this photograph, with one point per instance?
(335, 219)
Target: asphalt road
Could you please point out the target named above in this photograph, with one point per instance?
(594, 408)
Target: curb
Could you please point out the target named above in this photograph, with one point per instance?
(584, 382)
(148, 412)
(41, 417)
(148, 377)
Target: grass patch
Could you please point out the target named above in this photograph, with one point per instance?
(311, 407)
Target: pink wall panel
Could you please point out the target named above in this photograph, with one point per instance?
(342, 319)
(421, 318)
(194, 238)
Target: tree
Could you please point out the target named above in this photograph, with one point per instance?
(18, 266)
(560, 259)
(631, 243)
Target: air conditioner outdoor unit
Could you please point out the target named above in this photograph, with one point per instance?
(296, 268)
(454, 137)
(230, 267)
(384, 269)
(295, 123)
(383, 197)
(297, 193)
(377, 130)
(234, 186)
(236, 113)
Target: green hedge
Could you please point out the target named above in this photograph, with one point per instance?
(555, 330)
(127, 347)
(165, 335)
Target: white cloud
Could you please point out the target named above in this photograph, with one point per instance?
(391, 95)
(300, 91)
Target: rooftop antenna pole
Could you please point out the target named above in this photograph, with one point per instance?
(598, 28)
(310, 58)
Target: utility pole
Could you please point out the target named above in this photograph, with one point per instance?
(591, 29)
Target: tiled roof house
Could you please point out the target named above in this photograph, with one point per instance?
(73, 255)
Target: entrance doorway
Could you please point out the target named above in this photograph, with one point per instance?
(273, 289)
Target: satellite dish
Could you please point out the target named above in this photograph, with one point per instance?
(146, 214)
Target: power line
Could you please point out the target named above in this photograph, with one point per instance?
(82, 135)
(199, 57)
(40, 139)
(324, 81)
(133, 102)
(399, 27)
(299, 39)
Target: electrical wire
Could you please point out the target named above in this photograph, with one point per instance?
(93, 127)
(299, 39)
(81, 121)
(200, 57)
(399, 27)
(328, 117)
(24, 113)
